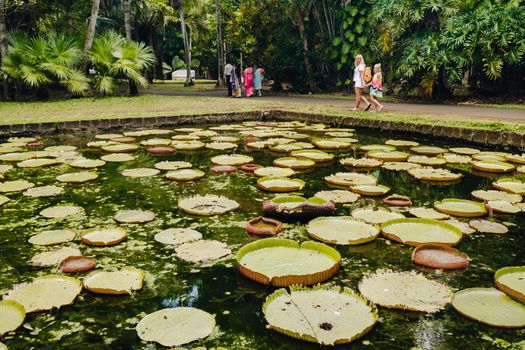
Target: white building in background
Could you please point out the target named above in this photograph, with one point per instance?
(180, 74)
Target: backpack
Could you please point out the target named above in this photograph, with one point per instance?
(368, 74)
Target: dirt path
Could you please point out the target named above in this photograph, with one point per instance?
(476, 113)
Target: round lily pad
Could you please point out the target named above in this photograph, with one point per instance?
(257, 144)
(17, 156)
(43, 191)
(372, 216)
(283, 262)
(4, 168)
(490, 156)
(503, 207)
(61, 211)
(46, 293)
(12, 315)
(134, 216)
(52, 237)
(294, 162)
(176, 326)
(371, 190)
(487, 226)
(400, 166)
(168, 165)
(15, 186)
(331, 144)
(388, 156)
(439, 256)
(107, 136)
(185, 175)
(297, 208)
(338, 196)
(77, 178)
(492, 166)
(428, 150)
(202, 251)
(341, 230)
(156, 142)
(464, 227)
(401, 143)
(221, 146)
(432, 174)
(428, 213)
(177, 236)
(511, 281)
(405, 290)
(460, 207)
(104, 237)
(414, 232)
(465, 150)
(75, 264)
(120, 148)
(285, 148)
(509, 185)
(233, 159)
(371, 148)
(280, 184)
(489, 306)
(493, 195)
(207, 205)
(274, 172)
(361, 162)
(140, 172)
(327, 316)
(161, 150)
(123, 281)
(87, 163)
(4, 200)
(263, 226)
(54, 257)
(350, 179)
(117, 157)
(424, 160)
(37, 163)
(516, 158)
(315, 155)
(398, 200)
(456, 158)
(62, 148)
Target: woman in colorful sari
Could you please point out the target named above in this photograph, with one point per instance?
(248, 81)
(258, 78)
(236, 83)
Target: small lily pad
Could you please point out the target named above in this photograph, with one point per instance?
(61, 211)
(104, 237)
(388, 156)
(54, 257)
(202, 251)
(75, 264)
(38, 163)
(233, 159)
(188, 145)
(118, 157)
(77, 178)
(140, 172)
(12, 315)
(315, 155)
(428, 213)
(400, 166)
(504, 207)
(274, 172)
(428, 150)
(15, 186)
(338, 196)
(208, 205)
(185, 175)
(52, 237)
(120, 148)
(371, 190)
(175, 165)
(294, 162)
(493, 195)
(87, 163)
(43, 191)
(510, 185)
(487, 226)
(134, 216)
(492, 166)
(439, 256)
(177, 236)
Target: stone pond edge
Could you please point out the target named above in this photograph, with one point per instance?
(457, 133)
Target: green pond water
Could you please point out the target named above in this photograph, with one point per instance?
(108, 322)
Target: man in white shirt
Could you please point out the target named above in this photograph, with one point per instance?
(228, 69)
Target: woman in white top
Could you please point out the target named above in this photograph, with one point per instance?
(359, 83)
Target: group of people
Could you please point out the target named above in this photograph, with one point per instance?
(361, 82)
(250, 81)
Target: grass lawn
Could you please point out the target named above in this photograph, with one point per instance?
(178, 85)
(155, 105)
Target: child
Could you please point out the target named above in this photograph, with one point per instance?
(376, 87)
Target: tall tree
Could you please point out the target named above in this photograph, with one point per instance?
(3, 41)
(90, 33)
(220, 46)
(178, 6)
(127, 18)
(69, 16)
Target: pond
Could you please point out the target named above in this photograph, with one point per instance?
(96, 321)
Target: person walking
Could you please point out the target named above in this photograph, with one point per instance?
(376, 88)
(258, 78)
(248, 81)
(228, 76)
(236, 82)
(359, 83)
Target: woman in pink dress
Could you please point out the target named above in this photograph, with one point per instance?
(248, 81)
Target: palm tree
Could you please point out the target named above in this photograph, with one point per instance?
(178, 6)
(91, 32)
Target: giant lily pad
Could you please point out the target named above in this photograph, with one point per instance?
(77, 178)
(134, 216)
(60, 148)
(221, 146)
(428, 150)
(202, 251)
(46, 293)
(75, 264)
(341, 230)
(140, 172)
(510, 185)
(405, 290)
(294, 162)
(428, 213)
(297, 208)
(432, 174)
(61, 211)
(511, 281)
(233, 159)
(371, 190)
(492, 166)
(460, 207)
(372, 216)
(400, 166)
(285, 148)
(52, 237)
(439, 256)
(493, 195)
(176, 165)
(456, 158)
(188, 145)
(415, 232)
(156, 142)
(123, 281)
(486, 226)
(12, 315)
(338, 196)
(280, 184)
(208, 205)
(489, 306)
(37, 163)
(465, 150)
(503, 207)
(274, 172)
(185, 175)
(15, 186)
(388, 156)
(424, 160)
(372, 148)
(54, 257)
(350, 179)
(331, 144)
(361, 162)
(104, 237)
(118, 157)
(176, 326)
(327, 316)
(4, 200)
(283, 262)
(87, 163)
(401, 143)
(177, 236)
(315, 155)
(120, 148)
(43, 191)
(17, 156)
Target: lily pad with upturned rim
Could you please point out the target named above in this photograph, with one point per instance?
(401, 143)
(297, 208)
(331, 144)
(12, 315)
(511, 281)
(371, 190)
(428, 150)
(232, 159)
(283, 262)
(315, 155)
(388, 156)
(280, 184)
(294, 162)
(76, 264)
(87, 163)
(503, 207)
(489, 306)
(361, 162)
(400, 166)
(323, 315)
(439, 256)
(415, 232)
(492, 166)
(118, 157)
(263, 226)
(460, 207)
(341, 230)
(491, 195)
(104, 237)
(274, 172)
(173, 165)
(120, 148)
(185, 175)
(140, 172)
(119, 282)
(510, 185)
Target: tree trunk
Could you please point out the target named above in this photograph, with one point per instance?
(69, 16)
(3, 43)
(220, 46)
(187, 48)
(127, 18)
(309, 72)
(90, 33)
